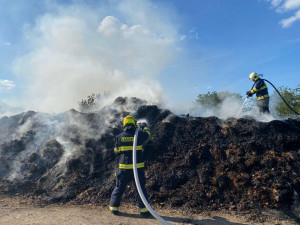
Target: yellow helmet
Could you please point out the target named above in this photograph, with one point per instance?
(253, 76)
(129, 120)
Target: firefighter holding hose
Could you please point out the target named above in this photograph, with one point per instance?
(124, 147)
(261, 91)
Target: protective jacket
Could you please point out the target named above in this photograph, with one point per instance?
(124, 147)
(261, 90)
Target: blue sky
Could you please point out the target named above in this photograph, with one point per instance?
(234, 38)
(216, 44)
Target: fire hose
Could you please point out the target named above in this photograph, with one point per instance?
(282, 98)
(278, 94)
(137, 182)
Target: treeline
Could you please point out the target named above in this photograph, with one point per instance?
(215, 99)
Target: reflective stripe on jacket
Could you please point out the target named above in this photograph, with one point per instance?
(124, 147)
(260, 89)
(130, 166)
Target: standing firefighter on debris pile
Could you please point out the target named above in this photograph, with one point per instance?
(124, 147)
(261, 91)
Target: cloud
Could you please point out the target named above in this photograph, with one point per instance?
(283, 6)
(6, 84)
(72, 55)
(285, 23)
(275, 3)
(290, 5)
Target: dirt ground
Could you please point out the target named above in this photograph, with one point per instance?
(21, 210)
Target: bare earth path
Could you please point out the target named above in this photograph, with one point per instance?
(18, 210)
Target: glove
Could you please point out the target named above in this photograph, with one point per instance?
(145, 128)
(249, 93)
(117, 150)
(143, 125)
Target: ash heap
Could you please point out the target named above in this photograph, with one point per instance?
(192, 163)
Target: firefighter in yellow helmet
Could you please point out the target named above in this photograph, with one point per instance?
(124, 147)
(261, 91)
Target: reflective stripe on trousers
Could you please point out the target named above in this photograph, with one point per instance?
(143, 210)
(112, 208)
(122, 180)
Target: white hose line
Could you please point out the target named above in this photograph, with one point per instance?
(137, 182)
(242, 106)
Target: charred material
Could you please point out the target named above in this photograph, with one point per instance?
(197, 163)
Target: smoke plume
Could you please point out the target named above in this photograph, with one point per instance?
(76, 51)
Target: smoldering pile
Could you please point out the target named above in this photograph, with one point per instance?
(199, 163)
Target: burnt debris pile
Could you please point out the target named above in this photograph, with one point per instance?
(199, 163)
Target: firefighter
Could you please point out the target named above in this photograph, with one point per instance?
(261, 91)
(124, 147)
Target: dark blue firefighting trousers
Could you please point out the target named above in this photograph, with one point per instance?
(124, 176)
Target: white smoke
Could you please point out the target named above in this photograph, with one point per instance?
(230, 106)
(72, 55)
(70, 129)
(8, 110)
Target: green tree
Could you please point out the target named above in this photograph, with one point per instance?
(215, 99)
(292, 97)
